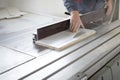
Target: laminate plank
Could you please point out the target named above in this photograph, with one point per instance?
(65, 39)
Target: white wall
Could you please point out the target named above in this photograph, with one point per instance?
(54, 7)
(3, 3)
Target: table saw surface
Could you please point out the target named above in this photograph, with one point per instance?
(21, 59)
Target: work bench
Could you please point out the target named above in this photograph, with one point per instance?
(81, 60)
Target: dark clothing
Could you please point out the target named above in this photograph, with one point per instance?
(83, 6)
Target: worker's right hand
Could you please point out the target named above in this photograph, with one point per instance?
(75, 21)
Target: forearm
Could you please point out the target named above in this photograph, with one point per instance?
(109, 2)
(108, 7)
(75, 21)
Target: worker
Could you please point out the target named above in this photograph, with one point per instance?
(76, 7)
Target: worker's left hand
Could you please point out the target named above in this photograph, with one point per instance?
(108, 7)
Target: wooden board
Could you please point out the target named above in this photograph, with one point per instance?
(64, 39)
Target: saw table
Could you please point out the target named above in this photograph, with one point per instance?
(66, 64)
(21, 59)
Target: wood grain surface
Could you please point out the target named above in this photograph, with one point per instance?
(64, 39)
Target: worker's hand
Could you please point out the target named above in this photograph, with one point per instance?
(108, 7)
(75, 21)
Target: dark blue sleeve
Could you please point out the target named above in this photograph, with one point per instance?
(70, 5)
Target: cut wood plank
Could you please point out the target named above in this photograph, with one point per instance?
(64, 39)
